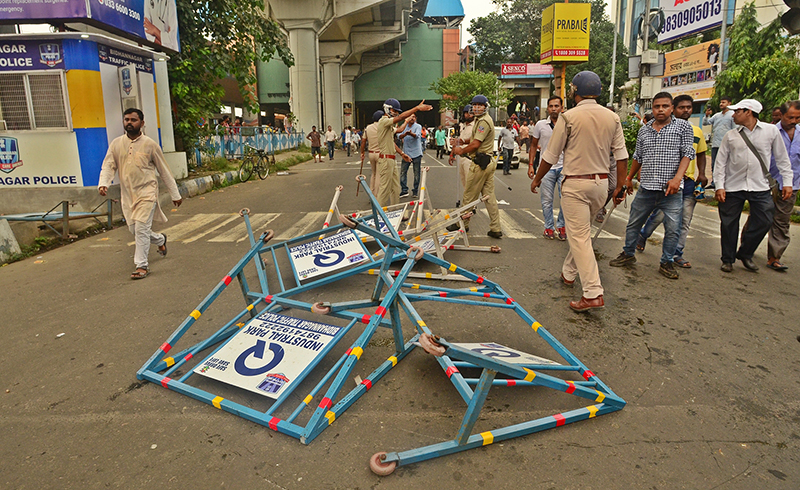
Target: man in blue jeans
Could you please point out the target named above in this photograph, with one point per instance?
(663, 152)
(505, 146)
(695, 174)
(540, 136)
(413, 146)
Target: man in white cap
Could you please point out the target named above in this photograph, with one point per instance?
(741, 174)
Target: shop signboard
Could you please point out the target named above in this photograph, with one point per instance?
(565, 32)
(692, 71)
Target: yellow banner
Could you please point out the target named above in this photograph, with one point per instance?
(565, 32)
(692, 71)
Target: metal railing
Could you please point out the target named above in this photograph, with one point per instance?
(232, 142)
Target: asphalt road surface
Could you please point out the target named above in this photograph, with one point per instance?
(707, 364)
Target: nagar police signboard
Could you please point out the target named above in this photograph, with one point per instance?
(565, 32)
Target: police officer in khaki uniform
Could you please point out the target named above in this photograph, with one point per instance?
(370, 143)
(587, 134)
(388, 174)
(480, 178)
(465, 136)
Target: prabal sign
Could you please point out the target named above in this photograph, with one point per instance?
(565, 32)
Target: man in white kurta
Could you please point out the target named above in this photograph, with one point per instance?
(136, 158)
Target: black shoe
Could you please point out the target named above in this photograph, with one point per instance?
(495, 234)
(622, 259)
(726, 267)
(667, 269)
(455, 227)
(403, 194)
(749, 265)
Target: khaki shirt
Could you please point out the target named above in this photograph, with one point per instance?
(137, 161)
(386, 135)
(466, 132)
(594, 133)
(483, 131)
(373, 141)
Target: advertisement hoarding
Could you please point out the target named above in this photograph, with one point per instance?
(565, 32)
(692, 71)
(687, 17)
(525, 69)
(151, 22)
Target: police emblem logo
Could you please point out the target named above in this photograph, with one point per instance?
(50, 54)
(9, 154)
(102, 52)
(127, 84)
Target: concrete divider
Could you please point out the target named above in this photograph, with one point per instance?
(8, 243)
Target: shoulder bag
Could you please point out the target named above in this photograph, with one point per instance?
(773, 184)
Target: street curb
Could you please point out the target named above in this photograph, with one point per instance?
(201, 185)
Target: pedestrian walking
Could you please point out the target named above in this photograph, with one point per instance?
(370, 145)
(136, 158)
(316, 143)
(389, 191)
(347, 139)
(542, 132)
(586, 134)
(695, 176)
(721, 123)
(413, 146)
(741, 174)
(664, 148)
(779, 231)
(440, 136)
(505, 145)
(480, 179)
(525, 137)
(330, 141)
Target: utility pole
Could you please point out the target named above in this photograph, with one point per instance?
(722, 32)
(645, 45)
(614, 55)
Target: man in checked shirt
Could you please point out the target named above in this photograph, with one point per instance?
(663, 152)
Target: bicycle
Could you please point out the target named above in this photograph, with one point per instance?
(258, 161)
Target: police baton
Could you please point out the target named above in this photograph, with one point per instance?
(501, 181)
(605, 220)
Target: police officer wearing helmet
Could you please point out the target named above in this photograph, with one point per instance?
(370, 143)
(465, 136)
(388, 175)
(586, 134)
(480, 177)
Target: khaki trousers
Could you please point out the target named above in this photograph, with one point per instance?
(374, 179)
(581, 199)
(463, 164)
(481, 182)
(389, 182)
(779, 231)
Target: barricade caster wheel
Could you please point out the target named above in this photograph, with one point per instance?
(379, 467)
(494, 249)
(244, 211)
(320, 308)
(268, 234)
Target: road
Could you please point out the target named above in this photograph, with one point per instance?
(707, 363)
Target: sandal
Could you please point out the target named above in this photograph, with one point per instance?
(163, 253)
(140, 273)
(682, 263)
(777, 266)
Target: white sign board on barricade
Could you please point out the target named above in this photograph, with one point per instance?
(394, 217)
(327, 255)
(268, 354)
(507, 354)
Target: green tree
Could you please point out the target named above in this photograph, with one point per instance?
(457, 89)
(513, 35)
(762, 64)
(219, 38)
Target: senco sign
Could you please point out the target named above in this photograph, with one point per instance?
(525, 69)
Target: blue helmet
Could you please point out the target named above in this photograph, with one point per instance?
(467, 109)
(586, 84)
(480, 99)
(391, 105)
(377, 115)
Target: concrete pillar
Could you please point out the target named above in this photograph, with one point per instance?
(332, 90)
(348, 98)
(303, 87)
(164, 105)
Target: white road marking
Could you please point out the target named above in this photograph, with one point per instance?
(311, 221)
(212, 229)
(239, 232)
(187, 227)
(511, 228)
